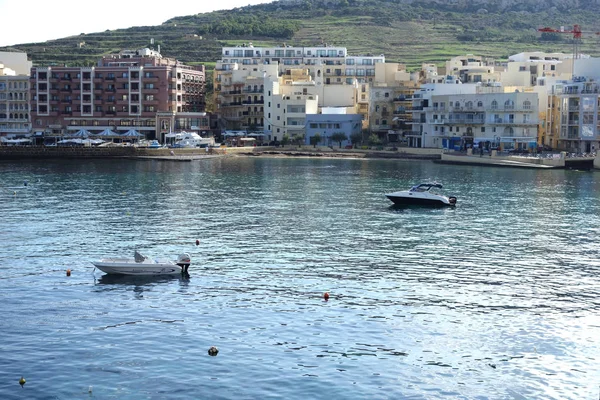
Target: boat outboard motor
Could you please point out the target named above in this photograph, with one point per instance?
(184, 262)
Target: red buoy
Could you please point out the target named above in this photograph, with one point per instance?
(326, 296)
(68, 272)
(197, 242)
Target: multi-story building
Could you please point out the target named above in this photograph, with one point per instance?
(122, 92)
(244, 67)
(390, 105)
(16, 61)
(573, 116)
(524, 69)
(472, 69)
(291, 97)
(490, 116)
(330, 123)
(14, 103)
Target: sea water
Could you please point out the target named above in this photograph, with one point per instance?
(497, 298)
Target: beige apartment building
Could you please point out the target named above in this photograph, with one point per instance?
(122, 92)
(573, 116)
(239, 79)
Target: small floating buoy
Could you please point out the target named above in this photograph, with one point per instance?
(90, 389)
(213, 351)
(22, 381)
(68, 272)
(197, 242)
(326, 296)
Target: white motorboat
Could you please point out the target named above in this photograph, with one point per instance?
(142, 265)
(422, 195)
(189, 139)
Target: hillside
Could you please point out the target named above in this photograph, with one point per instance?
(405, 31)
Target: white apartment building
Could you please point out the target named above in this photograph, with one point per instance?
(16, 61)
(472, 69)
(491, 117)
(239, 94)
(287, 104)
(15, 119)
(524, 69)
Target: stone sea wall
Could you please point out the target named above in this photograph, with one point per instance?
(42, 152)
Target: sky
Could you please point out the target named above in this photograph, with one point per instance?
(39, 20)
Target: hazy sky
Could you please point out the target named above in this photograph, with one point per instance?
(39, 20)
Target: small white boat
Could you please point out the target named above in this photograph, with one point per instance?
(142, 265)
(421, 195)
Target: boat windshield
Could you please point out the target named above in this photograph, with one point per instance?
(423, 187)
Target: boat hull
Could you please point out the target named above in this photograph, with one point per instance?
(115, 267)
(421, 199)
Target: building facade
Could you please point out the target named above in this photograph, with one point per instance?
(573, 116)
(245, 67)
(328, 124)
(122, 92)
(495, 118)
(14, 103)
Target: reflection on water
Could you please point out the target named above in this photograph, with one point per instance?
(114, 279)
(495, 298)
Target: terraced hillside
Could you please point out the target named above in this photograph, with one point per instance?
(408, 32)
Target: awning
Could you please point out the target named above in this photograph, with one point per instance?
(132, 133)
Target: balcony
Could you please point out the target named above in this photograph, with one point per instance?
(466, 121)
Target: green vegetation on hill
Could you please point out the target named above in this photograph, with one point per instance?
(403, 30)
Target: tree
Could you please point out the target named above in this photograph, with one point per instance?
(374, 140)
(356, 138)
(339, 137)
(298, 139)
(285, 140)
(315, 139)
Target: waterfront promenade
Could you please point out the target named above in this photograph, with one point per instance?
(495, 159)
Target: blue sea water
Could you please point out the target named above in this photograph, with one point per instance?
(497, 298)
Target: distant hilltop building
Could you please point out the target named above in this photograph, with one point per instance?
(135, 89)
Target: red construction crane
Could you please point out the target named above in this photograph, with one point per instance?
(576, 31)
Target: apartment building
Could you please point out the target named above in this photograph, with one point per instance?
(472, 69)
(491, 117)
(390, 102)
(16, 61)
(245, 66)
(524, 69)
(14, 103)
(122, 92)
(573, 116)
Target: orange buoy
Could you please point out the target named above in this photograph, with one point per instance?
(197, 242)
(326, 296)
(68, 272)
